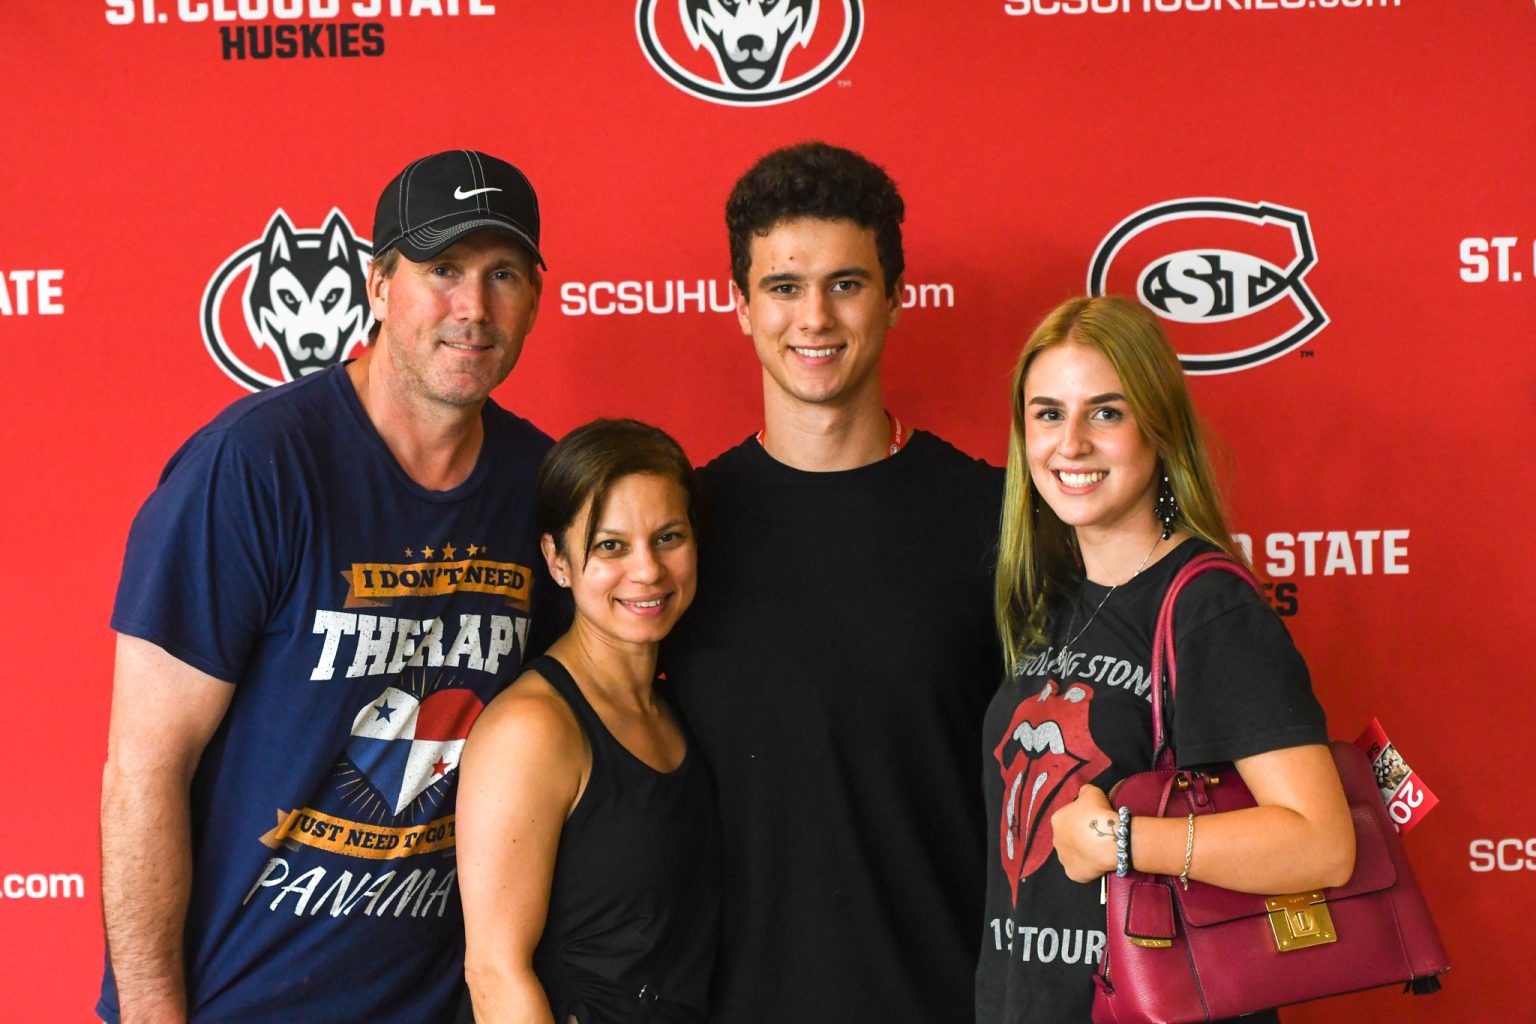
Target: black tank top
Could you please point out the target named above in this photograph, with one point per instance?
(634, 907)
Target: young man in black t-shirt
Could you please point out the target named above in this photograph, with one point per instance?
(838, 661)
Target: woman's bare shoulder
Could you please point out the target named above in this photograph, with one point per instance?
(530, 718)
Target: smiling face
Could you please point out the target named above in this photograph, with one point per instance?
(453, 327)
(817, 311)
(639, 576)
(1087, 456)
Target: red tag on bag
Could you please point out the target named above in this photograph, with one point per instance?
(1404, 793)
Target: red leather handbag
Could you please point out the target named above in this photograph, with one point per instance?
(1174, 955)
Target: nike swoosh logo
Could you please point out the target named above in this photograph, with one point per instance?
(460, 193)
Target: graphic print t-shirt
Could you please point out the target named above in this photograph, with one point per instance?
(1060, 723)
(364, 621)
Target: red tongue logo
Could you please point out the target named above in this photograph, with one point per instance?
(1045, 756)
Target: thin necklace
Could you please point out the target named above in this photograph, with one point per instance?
(897, 442)
(1066, 648)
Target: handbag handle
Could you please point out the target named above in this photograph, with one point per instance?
(1163, 662)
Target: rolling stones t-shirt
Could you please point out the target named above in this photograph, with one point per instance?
(1084, 715)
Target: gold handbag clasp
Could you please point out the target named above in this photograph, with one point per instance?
(1300, 920)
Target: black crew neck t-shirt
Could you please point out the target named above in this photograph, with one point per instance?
(1057, 724)
(835, 668)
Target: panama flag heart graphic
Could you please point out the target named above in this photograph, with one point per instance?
(405, 745)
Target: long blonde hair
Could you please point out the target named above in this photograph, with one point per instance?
(1038, 564)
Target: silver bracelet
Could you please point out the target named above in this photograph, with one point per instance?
(1123, 843)
(1189, 852)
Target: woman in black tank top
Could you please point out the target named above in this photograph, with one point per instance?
(587, 835)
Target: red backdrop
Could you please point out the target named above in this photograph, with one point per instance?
(1336, 195)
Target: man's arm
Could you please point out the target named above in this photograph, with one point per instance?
(163, 713)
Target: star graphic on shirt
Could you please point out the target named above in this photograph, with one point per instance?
(384, 710)
(448, 550)
(472, 550)
(427, 552)
(409, 553)
(440, 767)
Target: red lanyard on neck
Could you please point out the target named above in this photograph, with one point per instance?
(897, 442)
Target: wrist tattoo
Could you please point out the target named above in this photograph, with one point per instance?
(1093, 826)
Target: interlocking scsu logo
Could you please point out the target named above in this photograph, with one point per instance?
(1228, 275)
(304, 304)
(749, 52)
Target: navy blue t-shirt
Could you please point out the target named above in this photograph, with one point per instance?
(364, 622)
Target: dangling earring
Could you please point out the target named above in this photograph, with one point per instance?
(1167, 507)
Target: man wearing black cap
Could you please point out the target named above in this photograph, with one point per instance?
(330, 581)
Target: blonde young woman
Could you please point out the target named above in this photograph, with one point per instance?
(1109, 492)
(588, 841)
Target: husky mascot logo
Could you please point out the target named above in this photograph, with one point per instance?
(305, 301)
(1228, 274)
(748, 43)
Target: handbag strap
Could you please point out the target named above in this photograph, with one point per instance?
(1164, 665)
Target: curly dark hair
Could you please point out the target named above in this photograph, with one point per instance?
(813, 179)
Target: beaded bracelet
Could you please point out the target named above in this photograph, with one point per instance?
(1123, 843)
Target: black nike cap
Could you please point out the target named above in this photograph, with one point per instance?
(441, 198)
